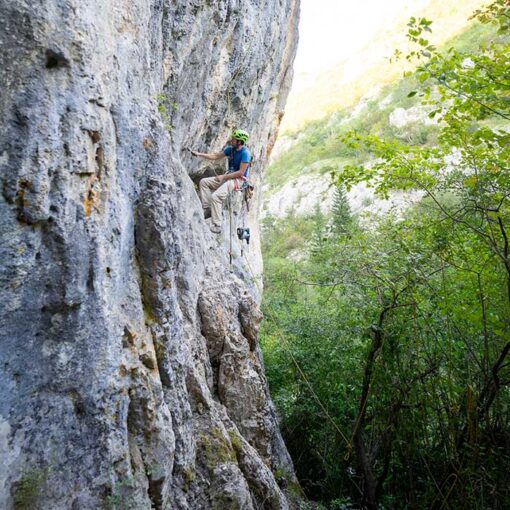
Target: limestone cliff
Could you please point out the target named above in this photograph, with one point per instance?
(130, 373)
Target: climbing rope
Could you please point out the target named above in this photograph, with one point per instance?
(229, 205)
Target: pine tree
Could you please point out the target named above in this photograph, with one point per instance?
(341, 212)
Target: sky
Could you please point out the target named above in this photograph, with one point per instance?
(331, 30)
(345, 47)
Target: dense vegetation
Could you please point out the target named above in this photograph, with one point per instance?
(387, 340)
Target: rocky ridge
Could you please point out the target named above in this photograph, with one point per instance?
(131, 374)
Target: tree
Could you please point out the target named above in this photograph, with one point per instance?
(342, 220)
(402, 329)
(467, 181)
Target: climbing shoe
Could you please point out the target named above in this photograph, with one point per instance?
(215, 229)
(207, 212)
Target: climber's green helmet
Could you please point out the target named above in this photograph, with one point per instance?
(241, 135)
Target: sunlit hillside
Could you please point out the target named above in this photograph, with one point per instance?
(299, 177)
(314, 96)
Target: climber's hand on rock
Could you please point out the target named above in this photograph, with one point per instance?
(195, 153)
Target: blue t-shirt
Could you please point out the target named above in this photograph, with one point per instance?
(238, 157)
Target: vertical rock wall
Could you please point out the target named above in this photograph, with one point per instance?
(131, 377)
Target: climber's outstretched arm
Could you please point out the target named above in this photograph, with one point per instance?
(212, 157)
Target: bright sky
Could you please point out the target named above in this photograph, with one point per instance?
(331, 30)
(345, 45)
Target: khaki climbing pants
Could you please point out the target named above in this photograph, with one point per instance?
(213, 193)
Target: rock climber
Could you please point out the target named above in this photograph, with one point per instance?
(214, 190)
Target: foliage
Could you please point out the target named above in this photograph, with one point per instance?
(341, 212)
(401, 330)
(165, 109)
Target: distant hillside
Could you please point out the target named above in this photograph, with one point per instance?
(314, 97)
(298, 177)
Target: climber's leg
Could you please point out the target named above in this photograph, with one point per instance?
(207, 186)
(217, 199)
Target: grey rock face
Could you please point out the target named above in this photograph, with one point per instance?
(130, 372)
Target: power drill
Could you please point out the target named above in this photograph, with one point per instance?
(244, 234)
